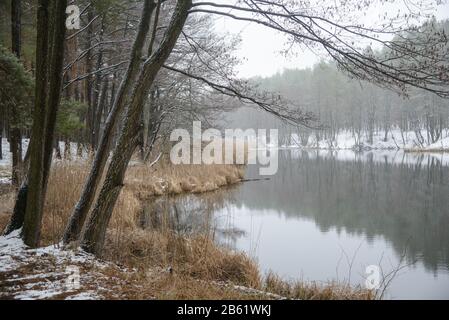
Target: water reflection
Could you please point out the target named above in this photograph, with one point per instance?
(191, 215)
(376, 207)
(405, 202)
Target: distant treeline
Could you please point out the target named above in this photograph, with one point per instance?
(341, 103)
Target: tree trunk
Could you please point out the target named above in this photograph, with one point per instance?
(16, 26)
(55, 91)
(33, 202)
(100, 109)
(94, 235)
(67, 150)
(18, 216)
(1, 137)
(97, 94)
(57, 148)
(15, 134)
(82, 208)
(89, 69)
(42, 149)
(79, 149)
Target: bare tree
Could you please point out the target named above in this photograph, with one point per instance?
(417, 60)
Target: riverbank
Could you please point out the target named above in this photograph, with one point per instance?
(142, 263)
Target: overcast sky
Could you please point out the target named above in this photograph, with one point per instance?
(261, 47)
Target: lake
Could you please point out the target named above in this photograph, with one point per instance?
(328, 215)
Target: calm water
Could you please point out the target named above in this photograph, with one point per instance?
(327, 216)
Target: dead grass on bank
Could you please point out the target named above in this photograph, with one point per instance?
(141, 183)
(167, 179)
(167, 265)
(315, 291)
(6, 204)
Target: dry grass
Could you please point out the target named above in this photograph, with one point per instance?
(64, 188)
(141, 183)
(170, 266)
(167, 179)
(6, 204)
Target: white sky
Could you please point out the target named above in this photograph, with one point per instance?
(260, 48)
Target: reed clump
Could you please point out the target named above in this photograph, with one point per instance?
(303, 290)
(165, 179)
(165, 264)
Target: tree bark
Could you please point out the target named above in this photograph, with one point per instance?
(1, 136)
(94, 235)
(33, 200)
(100, 109)
(18, 216)
(16, 26)
(78, 217)
(15, 134)
(89, 69)
(96, 94)
(55, 91)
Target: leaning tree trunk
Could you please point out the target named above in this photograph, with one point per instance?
(45, 113)
(100, 110)
(89, 70)
(1, 135)
(94, 235)
(18, 215)
(82, 208)
(97, 92)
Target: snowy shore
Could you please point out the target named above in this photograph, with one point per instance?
(395, 140)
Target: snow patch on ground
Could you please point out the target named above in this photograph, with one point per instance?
(442, 144)
(44, 273)
(10, 246)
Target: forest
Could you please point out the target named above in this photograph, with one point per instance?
(348, 108)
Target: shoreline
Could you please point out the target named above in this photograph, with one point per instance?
(144, 263)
